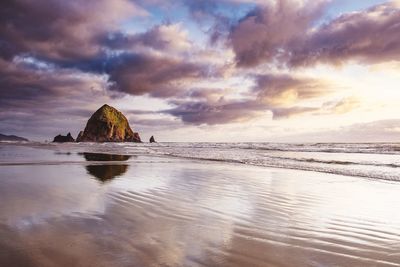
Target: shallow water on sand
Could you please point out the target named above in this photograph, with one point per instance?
(60, 208)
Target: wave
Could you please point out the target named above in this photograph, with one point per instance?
(342, 159)
(331, 169)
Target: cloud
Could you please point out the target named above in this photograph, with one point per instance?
(202, 9)
(205, 112)
(273, 95)
(283, 33)
(166, 38)
(369, 36)
(266, 32)
(59, 30)
(284, 89)
(284, 113)
(139, 74)
(46, 100)
(200, 112)
(340, 106)
(70, 56)
(23, 81)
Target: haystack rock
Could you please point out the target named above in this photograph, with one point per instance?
(63, 138)
(152, 140)
(107, 124)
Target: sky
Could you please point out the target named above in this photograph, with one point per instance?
(204, 70)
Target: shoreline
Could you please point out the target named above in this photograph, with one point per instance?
(336, 167)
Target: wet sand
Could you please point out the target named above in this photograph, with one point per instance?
(89, 209)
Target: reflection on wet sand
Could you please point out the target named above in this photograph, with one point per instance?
(104, 157)
(186, 213)
(106, 172)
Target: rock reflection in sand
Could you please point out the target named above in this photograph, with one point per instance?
(106, 172)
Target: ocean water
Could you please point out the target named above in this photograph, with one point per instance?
(370, 160)
(203, 204)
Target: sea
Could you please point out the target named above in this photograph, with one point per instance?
(369, 160)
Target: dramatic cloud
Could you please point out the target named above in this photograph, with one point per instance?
(368, 36)
(284, 33)
(194, 62)
(44, 98)
(23, 81)
(199, 112)
(59, 30)
(158, 76)
(277, 95)
(265, 33)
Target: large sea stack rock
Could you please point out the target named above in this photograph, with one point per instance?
(108, 125)
(63, 138)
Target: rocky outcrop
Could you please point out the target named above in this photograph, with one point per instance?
(11, 138)
(63, 138)
(108, 124)
(152, 140)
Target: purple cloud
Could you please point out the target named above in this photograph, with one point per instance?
(162, 77)
(59, 30)
(266, 33)
(369, 36)
(285, 34)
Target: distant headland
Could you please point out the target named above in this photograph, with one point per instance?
(107, 124)
(12, 138)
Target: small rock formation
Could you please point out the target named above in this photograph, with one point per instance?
(152, 140)
(107, 124)
(63, 138)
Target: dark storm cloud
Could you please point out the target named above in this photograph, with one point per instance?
(285, 34)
